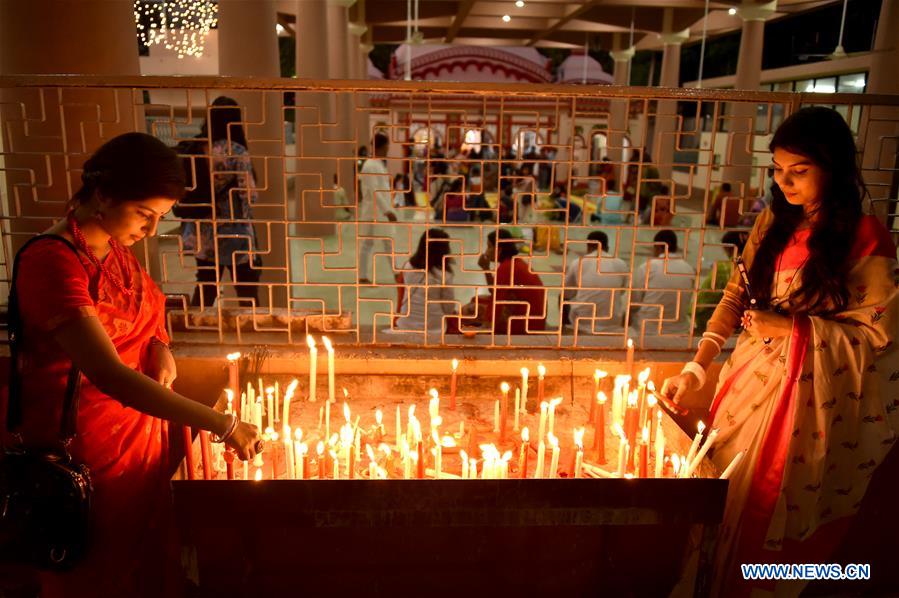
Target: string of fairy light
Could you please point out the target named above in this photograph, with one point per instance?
(178, 25)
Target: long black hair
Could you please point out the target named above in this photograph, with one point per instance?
(821, 135)
(432, 248)
(131, 167)
(224, 122)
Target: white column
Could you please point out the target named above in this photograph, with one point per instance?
(666, 120)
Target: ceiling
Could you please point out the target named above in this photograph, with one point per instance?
(550, 23)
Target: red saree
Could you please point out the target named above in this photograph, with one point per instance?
(131, 551)
(518, 297)
(816, 413)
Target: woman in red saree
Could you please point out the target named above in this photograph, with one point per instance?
(84, 299)
(517, 300)
(809, 393)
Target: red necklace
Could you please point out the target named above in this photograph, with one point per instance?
(126, 286)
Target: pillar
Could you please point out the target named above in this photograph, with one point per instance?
(741, 122)
(879, 128)
(666, 126)
(618, 109)
(241, 21)
(340, 67)
(315, 120)
(43, 165)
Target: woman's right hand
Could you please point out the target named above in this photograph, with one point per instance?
(244, 441)
(674, 389)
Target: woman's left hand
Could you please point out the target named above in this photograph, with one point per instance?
(161, 364)
(766, 324)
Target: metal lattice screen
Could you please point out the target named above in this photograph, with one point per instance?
(548, 164)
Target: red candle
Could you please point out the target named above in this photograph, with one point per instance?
(351, 465)
(229, 464)
(644, 455)
(205, 453)
(305, 466)
(541, 371)
(421, 460)
(631, 424)
(523, 458)
(599, 429)
(503, 412)
(452, 401)
(320, 450)
(188, 452)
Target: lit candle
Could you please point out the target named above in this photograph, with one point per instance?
(631, 425)
(598, 375)
(599, 428)
(288, 396)
(515, 427)
(524, 387)
(230, 395)
(270, 397)
(277, 401)
(676, 465)
(660, 446)
(504, 411)
(258, 475)
(523, 457)
(204, 454)
(733, 465)
(541, 372)
(629, 364)
(541, 451)
(652, 410)
(407, 458)
(438, 454)
(455, 366)
(700, 427)
(233, 373)
(257, 414)
(434, 408)
(552, 414)
(643, 446)
(579, 457)
(544, 410)
(327, 343)
(379, 426)
(289, 456)
(464, 457)
(327, 419)
(313, 366)
(694, 464)
(372, 466)
(554, 462)
(320, 451)
(399, 427)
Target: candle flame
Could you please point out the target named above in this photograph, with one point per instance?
(298, 434)
(291, 388)
(346, 412)
(630, 343)
(525, 434)
(700, 427)
(310, 341)
(303, 448)
(379, 417)
(270, 390)
(434, 436)
(651, 400)
(327, 343)
(643, 376)
(455, 364)
(434, 394)
(258, 475)
(651, 386)
(632, 399)
(659, 415)
(371, 453)
(601, 397)
(646, 434)
(507, 456)
(579, 438)
(463, 456)
(274, 436)
(504, 387)
(554, 402)
(553, 441)
(544, 406)
(448, 441)
(541, 371)
(269, 431)
(230, 394)
(412, 410)
(233, 356)
(384, 447)
(320, 448)
(332, 440)
(675, 463)
(600, 374)
(618, 430)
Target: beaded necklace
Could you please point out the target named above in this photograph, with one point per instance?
(126, 287)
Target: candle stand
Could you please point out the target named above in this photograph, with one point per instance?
(610, 537)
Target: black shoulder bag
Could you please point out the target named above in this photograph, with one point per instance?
(44, 496)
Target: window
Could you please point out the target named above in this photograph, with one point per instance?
(854, 83)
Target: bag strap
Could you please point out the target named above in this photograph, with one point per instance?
(68, 421)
